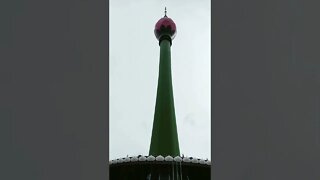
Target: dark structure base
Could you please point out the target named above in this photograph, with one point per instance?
(155, 170)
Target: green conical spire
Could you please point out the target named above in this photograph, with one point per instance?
(164, 140)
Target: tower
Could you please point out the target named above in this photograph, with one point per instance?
(164, 139)
(164, 161)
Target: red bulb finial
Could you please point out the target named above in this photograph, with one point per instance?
(165, 26)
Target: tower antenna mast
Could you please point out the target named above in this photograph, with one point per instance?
(165, 11)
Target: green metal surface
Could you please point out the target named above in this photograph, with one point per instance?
(164, 140)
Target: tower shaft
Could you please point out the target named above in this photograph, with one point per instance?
(164, 140)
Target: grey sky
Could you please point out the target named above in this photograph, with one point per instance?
(134, 60)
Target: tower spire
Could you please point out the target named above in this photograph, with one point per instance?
(165, 11)
(164, 140)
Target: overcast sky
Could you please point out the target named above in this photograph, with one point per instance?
(134, 63)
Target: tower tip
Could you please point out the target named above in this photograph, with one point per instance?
(165, 11)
